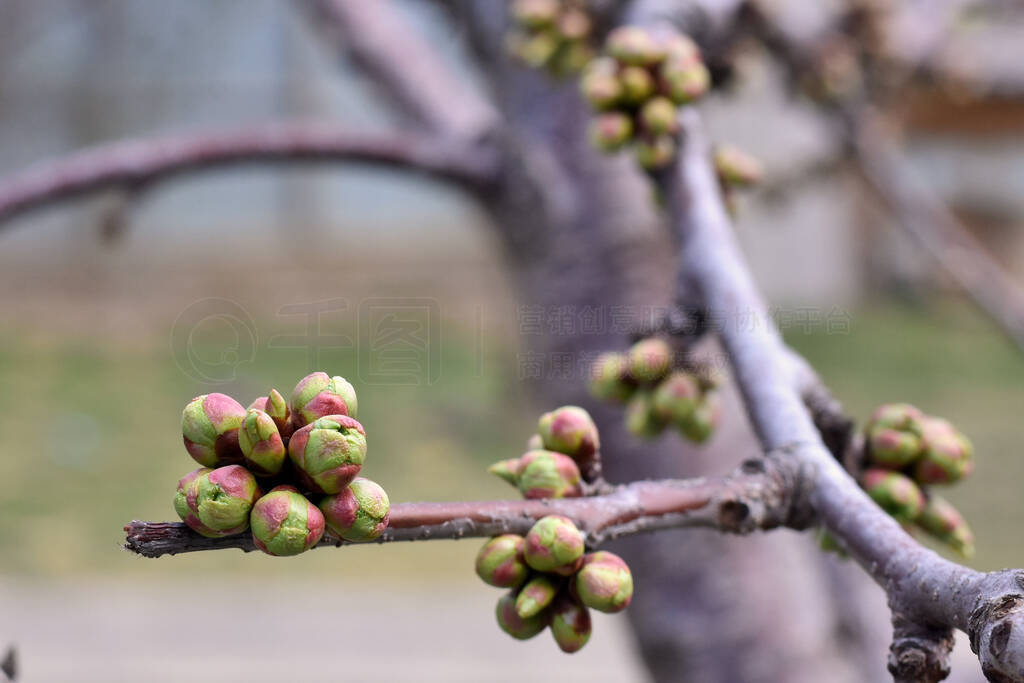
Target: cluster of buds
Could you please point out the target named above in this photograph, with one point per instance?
(655, 393)
(552, 582)
(736, 170)
(560, 456)
(637, 86)
(551, 34)
(308, 447)
(906, 452)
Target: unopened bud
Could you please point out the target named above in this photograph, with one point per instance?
(609, 377)
(604, 582)
(650, 359)
(641, 419)
(685, 80)
(506, 469)
(513, 624)
(261, 443)
(318, 395)
(285, 523)
(611, 130)
(676, 397)
(895, 493)
(948, 455)
(359, 513)
(500, 561)
(536, 595)
(634, 45)
(637, 84)
(328, 453)
(655, 153)
(570, 623)
(209, 426)
(659, 116)
(535, 13)
(569, 430)
(943, 521)
(553, 542)
(701, 423)
(545, 474)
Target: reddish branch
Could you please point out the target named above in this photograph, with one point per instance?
(760, 495)
(140, 163)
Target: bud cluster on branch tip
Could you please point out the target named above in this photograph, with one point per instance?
(657, 396)
(325, 448)
(928, 449)
(549, 587)
(551, 34)
(637, 88)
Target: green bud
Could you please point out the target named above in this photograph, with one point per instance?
(570, 623)
(536, 595)
(735, 167)
(610, 131)
(545, 474)
(553, 542)
(650, 359)
(534, 443)
(656, 153)
(685, 80)
(641, 420)
(538, 49)
(609, 377)
(359, 513)
(500, 561)
(637, 84)
(328, 453)
(634, 45)
(943, 521)
(535, 13)
(507, 470)
(277, 408)
(569, 430)
(318, 395)
(604, 582)
(894, 493)
(285, 523)
(659, 116)
(261, 443)
(574, 25)
(893, 448)
(216, 502)
(514, 625)
(948, 455)
(702, 421)
(209, 426)
(680, 48)
(571, 58)
(901, 416)
(676, 397)
(601, 90)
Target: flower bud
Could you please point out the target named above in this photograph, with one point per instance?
(572, 58)
(685, 80)
(735, 167)
(892, 447)
(894, 493)
(659, 116)
(948, 456)
(359, 513)
(514, 625)
(604, 582)
(569, 430)
(537, 50)
(901, 416)
(553, 542)
(680, 48)
(641, 420)
(943, 521)
(655, 153)
(318, 395)
(650, 359)
(500, 561)
(609, 377)
(328, 453)
(277, 408)
(633, 45)
(535, 13)
(535, 595)
(574, 25)
(570, 623)
(217, 502)
(637, 84)
(610, 131)
(534, 443)
(285, 523)
(209, 426)
(506, 469)
(261, 443)
(701, 424)
(676, 397)
(545, 474)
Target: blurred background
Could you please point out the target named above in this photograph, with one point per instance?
(247, 279)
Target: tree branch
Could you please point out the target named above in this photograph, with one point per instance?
(759, 495)
(922, 587)
(137, 163)
(381, 42)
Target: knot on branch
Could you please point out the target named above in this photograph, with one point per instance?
(919, 654)
(765, 493)
(996, 629)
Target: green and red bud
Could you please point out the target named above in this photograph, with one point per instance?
(513, 624)
(536, 595)
(261, 443)
(507, 470)
(893, 447)
(948, 455)
(701, 423)
(637, 84)
(209, 427)
(359, 513)
(570, 430)
(285, 523)
(650, 359)
(546, 474)
(318, 395)
(604, 582)
(676, 397)
(658, 116)
(277, 408)
(901, 416)
(501, 563)
(570, 623)
(538, 49)
(609, 377)
(634, 46)
(735, 167)
(535, 14)
(680, 48)
(611, 130)
(895, 493)
(553, 543)
(217, 502)
(943, 521)
(641, 419)
(328, 453)
(655, 153)
(574, 25)
(684, 80)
